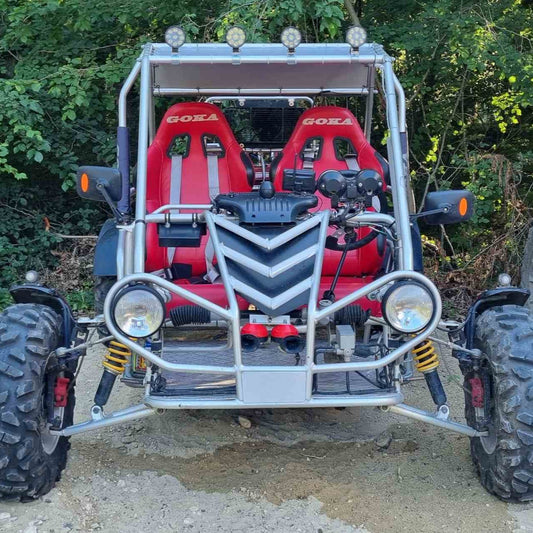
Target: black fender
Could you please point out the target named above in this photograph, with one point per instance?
(105, 253)
(416, 238)
(30, 293)
(488, 299)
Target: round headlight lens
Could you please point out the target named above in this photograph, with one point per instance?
(408, 307)
(139, 311)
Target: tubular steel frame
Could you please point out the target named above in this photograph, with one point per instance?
(131, 248)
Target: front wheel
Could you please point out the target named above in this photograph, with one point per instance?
(503, 458)
(31, 456)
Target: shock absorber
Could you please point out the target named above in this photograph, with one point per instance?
(114, 363)
(426, 359)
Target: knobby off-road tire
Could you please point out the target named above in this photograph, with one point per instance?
(31, 460)
(102, 284)
(504, 459)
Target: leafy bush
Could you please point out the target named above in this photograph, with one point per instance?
(466, 68)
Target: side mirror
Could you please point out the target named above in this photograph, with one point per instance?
(93, 183)
(448, 207)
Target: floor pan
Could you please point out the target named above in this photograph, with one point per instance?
(207, 384)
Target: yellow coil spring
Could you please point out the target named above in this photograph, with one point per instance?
(425, 356)
(117, 356)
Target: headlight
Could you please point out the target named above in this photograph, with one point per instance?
(408, 306)
(138, 311)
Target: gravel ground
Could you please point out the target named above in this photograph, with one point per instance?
(291, 471)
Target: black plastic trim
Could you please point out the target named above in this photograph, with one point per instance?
(384, 166)
(282, 208)
(38, 294)
(249, 166)
(105, 253)
(488, 299)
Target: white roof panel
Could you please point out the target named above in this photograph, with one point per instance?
(263, 69)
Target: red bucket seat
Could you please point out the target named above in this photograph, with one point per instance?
(191, 127)
(334, 129)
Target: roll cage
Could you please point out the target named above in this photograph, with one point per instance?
(205, 70)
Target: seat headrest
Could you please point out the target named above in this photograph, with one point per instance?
(328, 122)
(195, 119)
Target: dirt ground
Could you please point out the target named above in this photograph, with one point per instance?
(294, 470)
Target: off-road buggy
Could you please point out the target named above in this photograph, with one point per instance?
(270, 223)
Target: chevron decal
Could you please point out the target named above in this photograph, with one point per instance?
(270, 265)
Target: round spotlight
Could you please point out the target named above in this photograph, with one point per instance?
(175, 37)
(138, 311)
(291, 37)
(235, 37)
(32, 276)
(356, 36)
(408, 306)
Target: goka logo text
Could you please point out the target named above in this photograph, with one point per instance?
(327, 121)
(192, 118)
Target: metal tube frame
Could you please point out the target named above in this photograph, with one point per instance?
(131, 255)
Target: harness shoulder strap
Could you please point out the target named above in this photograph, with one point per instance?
(351, 161)
(308, 158)
(213, 152)
(175, 193)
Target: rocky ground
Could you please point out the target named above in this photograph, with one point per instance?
(323, 470)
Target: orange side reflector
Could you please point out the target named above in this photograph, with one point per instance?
(463, 207)
(84, 183)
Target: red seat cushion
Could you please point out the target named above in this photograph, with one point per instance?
(196, 120)
(329, 124)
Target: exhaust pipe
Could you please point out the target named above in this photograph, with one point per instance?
(287, 337)
(252, 336)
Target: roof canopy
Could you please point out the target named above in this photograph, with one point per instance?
(264, 69)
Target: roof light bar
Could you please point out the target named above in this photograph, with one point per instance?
(356, 36)
(235, 37)
(291, 38)
(175, 37)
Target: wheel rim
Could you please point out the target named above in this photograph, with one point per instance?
(49, 441)
(490, 442)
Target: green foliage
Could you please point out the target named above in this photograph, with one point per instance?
(466, 68)
(33, 217)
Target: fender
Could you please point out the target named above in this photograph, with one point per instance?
(32, 293)
(488, 299)
(105, 253)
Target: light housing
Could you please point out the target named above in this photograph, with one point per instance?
(291, 38)
(175, 37)
(356, 36)
(408, 306)
(138, 311)
(235, 37)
